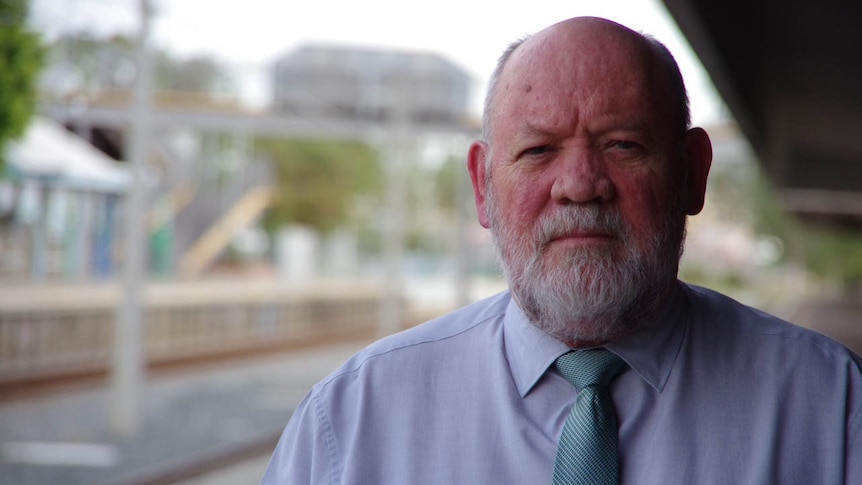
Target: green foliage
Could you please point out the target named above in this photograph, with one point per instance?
(449, 183)
(835, 253)
(197, 74)
(21, 56)
(434, 197)
(82, 61)
(770, 216)
(744, 194)
(87, 62)
(734, 185)
(830, 252)
(320, 182)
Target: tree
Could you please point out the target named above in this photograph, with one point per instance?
(836, 253)
(828, 250)
(320, 182)
(81, 62)
(21, 56)
(198, 74)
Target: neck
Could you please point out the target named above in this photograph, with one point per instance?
(646, 315)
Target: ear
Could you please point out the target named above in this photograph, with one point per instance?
(698, 157)
(477, 168)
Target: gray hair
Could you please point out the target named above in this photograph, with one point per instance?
(670, 70)
(488, 114)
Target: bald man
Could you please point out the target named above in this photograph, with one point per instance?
(585, 175)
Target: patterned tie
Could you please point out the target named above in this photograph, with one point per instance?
(587, 453)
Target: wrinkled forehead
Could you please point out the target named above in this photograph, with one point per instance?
(592, 55)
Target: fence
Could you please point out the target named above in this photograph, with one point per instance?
(54, 331)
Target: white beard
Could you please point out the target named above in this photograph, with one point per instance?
(591, 294)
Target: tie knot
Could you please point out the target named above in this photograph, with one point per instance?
(594, 367)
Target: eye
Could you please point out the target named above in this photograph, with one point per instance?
(625, 150)
(625, 145)
(537, 150)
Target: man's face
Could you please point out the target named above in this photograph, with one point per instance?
(585, 191)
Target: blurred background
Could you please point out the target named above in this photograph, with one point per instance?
(206, 206)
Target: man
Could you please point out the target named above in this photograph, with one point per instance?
(585, 175)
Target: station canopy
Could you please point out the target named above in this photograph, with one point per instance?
(51, 155)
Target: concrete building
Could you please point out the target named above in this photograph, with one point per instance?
(362, 83)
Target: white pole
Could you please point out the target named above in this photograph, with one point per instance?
(127, 373)
(463, 205)
(396, 158)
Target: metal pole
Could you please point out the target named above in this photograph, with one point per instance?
(463, 210)
(127, 372)
(396, 158)
(39, 256)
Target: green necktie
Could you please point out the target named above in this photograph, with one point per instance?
(587, 453)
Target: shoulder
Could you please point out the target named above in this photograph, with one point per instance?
(724, 319)
(441, 340)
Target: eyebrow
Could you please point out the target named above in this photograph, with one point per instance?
(529, 128)
(612, 122)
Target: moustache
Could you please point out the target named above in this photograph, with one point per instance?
(574, 219)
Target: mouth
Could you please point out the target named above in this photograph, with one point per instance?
(584, 228)
(580, 240)
(583, 237)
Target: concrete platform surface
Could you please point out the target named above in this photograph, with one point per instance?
(206, 425)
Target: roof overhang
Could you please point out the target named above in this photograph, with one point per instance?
(791, 75)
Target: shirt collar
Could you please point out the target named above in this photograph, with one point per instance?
(650, 351)
(529, 350)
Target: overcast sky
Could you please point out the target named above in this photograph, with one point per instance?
(251, 33)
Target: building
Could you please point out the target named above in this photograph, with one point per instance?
(370, 84)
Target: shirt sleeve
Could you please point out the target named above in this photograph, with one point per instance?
(306, 453)
(854, 450)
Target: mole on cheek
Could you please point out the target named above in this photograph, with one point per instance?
(529, 88)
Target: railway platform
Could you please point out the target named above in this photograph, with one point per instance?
(195, 422)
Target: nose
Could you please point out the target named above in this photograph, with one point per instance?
(581, 178)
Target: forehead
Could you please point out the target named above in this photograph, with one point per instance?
(596, 71)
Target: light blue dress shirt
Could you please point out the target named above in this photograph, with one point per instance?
(715, 393)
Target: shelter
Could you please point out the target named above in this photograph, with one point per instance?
(59, 205)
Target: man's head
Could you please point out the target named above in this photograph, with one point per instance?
(585, 176)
